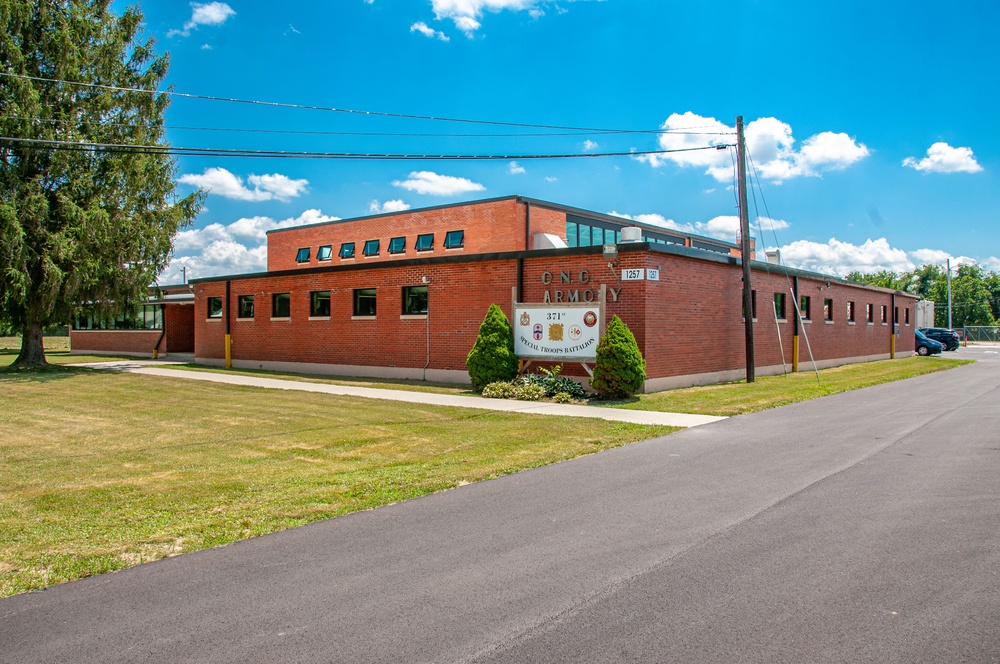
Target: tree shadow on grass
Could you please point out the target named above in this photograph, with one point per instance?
(44, 374)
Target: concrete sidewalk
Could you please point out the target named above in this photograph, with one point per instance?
(157, 368)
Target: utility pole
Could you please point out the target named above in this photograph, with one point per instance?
(948, 262)
(741, 166)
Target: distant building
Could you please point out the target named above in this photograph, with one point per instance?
(403, 294)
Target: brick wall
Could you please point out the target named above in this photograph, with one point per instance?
(125, 342)
(178, 320)
(687, 323)
(492, 226)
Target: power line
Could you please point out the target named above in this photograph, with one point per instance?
(331, 109)
(121, 148)
(370, 133)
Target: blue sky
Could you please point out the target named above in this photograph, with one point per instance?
(870, 124)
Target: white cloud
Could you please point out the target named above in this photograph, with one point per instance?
(220, 182)
(429, 32)
(212, 13)
(515, 168)
(389, 206)
(467, 14)
(725, 227)
(589, 145)
(770, 145)
(235, 248)
(549, 178)
(839, 258)
(942, 158)
(426, 182)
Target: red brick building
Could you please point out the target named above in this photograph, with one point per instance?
(403, 295)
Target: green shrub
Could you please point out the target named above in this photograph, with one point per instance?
(562, 397)
(553, 383)
(499, 390)
(492, 358)
(620, 369)
(528, 392)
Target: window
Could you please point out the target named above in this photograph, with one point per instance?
(319, 304)
(215, 307)
(364, 301)
(804, 305)
(885, 314)
(281, 305)
(895, 316)
(425, 242)
(371, 247)
(303, 255)
(324, 253)
(454, 240)
(147, 317)
(828, 309)
(779, 305)
(906, 316)
(347, 250)
(414, 300)
(869, 314)
(850, 312)
(753, 305)
(244, 306)
(397, 245)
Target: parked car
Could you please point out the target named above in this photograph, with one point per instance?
(950, 339)
(925, 345)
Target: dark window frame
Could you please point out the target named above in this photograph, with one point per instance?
(216, 311)
(397, 245)
(417, 246)
(319, 304)
(411, 304)
(870, 313)
(449, 242)
(287, 299)
(884, 314)
(241, 306)
(369, 243)
(850, 311)
(302, 256)
(346, 250)
(828, 309)
(328, 251)
(779, 306)
(366, 296)
(805, 307)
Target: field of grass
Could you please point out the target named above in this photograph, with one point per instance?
(729, 399)
(101, 471)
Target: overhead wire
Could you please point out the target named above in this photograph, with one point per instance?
(312, 107)
(123, 148)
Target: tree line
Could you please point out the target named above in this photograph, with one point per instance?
(975, 292)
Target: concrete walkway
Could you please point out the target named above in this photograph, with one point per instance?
(160, 368)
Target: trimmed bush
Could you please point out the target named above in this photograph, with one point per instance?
(499, 391)
(528, 392)
(492, 358)
(553, 383)
(620, 369)
(562, 397)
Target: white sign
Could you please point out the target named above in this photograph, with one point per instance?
(652, 274)
(633, 274)
(554, 332)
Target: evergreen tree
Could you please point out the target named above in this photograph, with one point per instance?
(620, 368)
(492, 358)
(80, 223)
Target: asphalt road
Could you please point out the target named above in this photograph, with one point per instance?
(860, 527)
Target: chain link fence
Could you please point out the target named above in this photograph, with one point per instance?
(981, 333)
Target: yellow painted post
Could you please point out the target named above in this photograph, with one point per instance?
(892, 347)
(229, 351)
(795, 353)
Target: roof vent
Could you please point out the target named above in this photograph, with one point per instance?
(631, 234)
(773, 257)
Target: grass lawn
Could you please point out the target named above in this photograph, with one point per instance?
(100, 471)
(772, 391)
